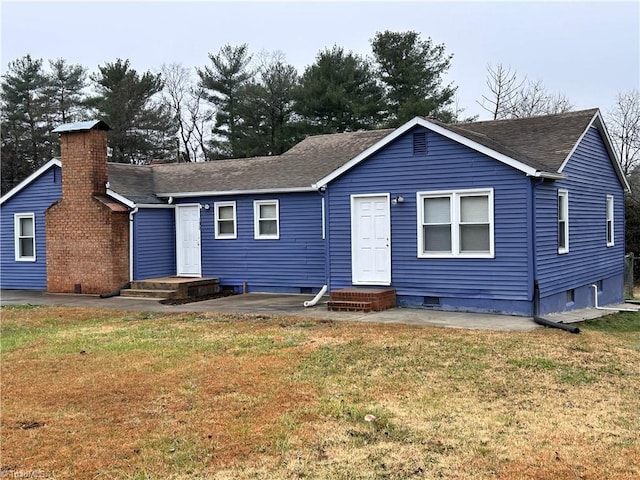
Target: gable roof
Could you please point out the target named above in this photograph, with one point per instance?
(51, 163)
(537, 146)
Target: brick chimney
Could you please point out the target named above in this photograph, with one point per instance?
(87, 232)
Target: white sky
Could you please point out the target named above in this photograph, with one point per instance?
(588, 51)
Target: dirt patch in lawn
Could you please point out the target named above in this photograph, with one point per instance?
(91, 394)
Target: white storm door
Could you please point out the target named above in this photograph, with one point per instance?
(370, 240)
(188, 240)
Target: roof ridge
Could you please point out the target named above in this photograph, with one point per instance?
(573, 113)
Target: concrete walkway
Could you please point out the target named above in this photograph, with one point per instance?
(291, 305)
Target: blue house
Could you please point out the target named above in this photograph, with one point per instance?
(512, 216)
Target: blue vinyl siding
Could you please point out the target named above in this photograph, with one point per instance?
(293, 262)
(590, 178)
(34, 198)
(447, 166)
(154, 238)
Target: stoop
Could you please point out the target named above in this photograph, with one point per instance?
(174, 288)
(354, 299)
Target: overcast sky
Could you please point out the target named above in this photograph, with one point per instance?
(589, 51)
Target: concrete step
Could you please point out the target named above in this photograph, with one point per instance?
(148, 293)
(348, 306)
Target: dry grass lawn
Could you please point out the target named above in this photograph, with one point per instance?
(93, 394)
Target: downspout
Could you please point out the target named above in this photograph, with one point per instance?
(131, 214)
(595, 302)
(317, 298)
(325, 229)
(532, 243)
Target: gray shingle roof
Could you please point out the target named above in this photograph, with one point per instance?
(542, 143)
(298, 168)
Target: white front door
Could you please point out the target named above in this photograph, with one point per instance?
(188, 240)
(370, 240)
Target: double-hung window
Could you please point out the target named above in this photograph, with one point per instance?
(610, 233)
(225, 218)
(266, 221)
(25, 237)
(455, 223)
(563, 221)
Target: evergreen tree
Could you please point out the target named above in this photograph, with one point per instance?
(142, 129)
(339, 93)
(66, 83)
(26, 139)
(225, 82)
(411, 71)
(266, 109)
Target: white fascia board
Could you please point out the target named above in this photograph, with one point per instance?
(598, 122)
(30, 178)
(441, 131)
(236, 192)
(120, 198)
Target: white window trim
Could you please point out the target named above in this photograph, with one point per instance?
(225, 236)
(455, 196)
(256, 220)
(16, 234)
(610, 209)
(565, 194)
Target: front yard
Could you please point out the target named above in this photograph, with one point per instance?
(100, 394)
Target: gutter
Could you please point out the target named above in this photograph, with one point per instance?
(131, 214)
(595, 300)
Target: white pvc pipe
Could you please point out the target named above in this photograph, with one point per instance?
(595, 297)
(317, 298)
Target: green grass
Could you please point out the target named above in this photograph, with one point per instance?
(622, 322)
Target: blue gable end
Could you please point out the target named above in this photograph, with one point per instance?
(590, 178)
(503, 283)
(34, 198)
(293, 263)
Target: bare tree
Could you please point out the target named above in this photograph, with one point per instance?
(624, 126)
(185, 100)
(533, 99)
(503, 87)
(510, 98)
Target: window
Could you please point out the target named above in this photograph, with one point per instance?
(225, 213)
(266, 223)
(455, 224)
(563, 221)
(610, 234)
(25, 237)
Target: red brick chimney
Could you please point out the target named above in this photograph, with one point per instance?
(87, 232)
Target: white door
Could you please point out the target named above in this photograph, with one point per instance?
(370, 240)
(188, 240)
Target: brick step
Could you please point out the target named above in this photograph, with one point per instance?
(148, 293)
(348, 306)
(378, 298)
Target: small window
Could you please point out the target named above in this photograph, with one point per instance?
(420, 143)
(610, 233)
(225, 218)
(25, 237)
(456, 223)
(600, 285)
(563, 221)
(266, 220)
(571, 296)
